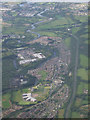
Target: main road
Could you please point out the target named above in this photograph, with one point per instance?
(74, 85)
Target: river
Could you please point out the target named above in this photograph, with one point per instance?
(30, 30)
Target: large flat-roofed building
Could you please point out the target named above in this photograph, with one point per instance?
(28, 97)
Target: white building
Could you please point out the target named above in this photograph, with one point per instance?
(28, 97)
(39, 55)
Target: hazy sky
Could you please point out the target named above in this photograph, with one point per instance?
(45, 0)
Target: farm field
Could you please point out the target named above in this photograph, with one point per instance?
(61, 113)
(81, 87)
(83, 61)
(6, 101)
(68, 41)
(83, 74)
(75, 115)
(79, 102)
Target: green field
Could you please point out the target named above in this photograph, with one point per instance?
(68, 41)
(81, 87)
(82, 18)
(14, 30)
(6, 101)
(85, 36)
(49, 34)
(53, 24)
(75, 115)
(17, 97)
(75, 29)
(79, 102)
(83, 61)
(61, 113)
(84, 102)
(8, 72)
(43, 74)
(42, 93)
(87, 42)
(83, 74)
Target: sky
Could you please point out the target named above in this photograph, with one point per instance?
(45, 1)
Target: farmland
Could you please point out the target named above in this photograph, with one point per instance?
(83, 74)
(6, 101)
(83, 61)
(81, 88)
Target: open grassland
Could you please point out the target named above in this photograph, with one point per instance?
(6, 101)
(81, 87)
(83, 61)
(83, 74)
(61, 113)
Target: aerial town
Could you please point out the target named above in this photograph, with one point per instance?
(44, 49)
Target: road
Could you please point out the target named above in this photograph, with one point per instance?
(67, 113)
